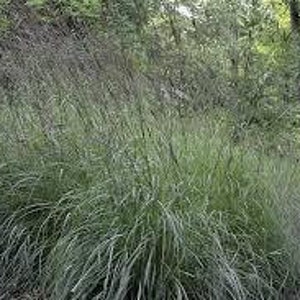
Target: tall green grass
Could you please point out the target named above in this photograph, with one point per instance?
(125, 199)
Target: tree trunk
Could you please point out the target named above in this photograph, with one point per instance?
(294, 8)
(294, 15)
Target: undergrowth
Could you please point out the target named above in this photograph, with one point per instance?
(127, 199)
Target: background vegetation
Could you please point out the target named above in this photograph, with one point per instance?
(149, 149)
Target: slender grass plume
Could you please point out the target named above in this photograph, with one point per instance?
(149, 151)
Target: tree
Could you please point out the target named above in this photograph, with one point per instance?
(294, 15)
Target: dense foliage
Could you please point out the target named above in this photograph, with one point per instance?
(149, 149)
(237, 54)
